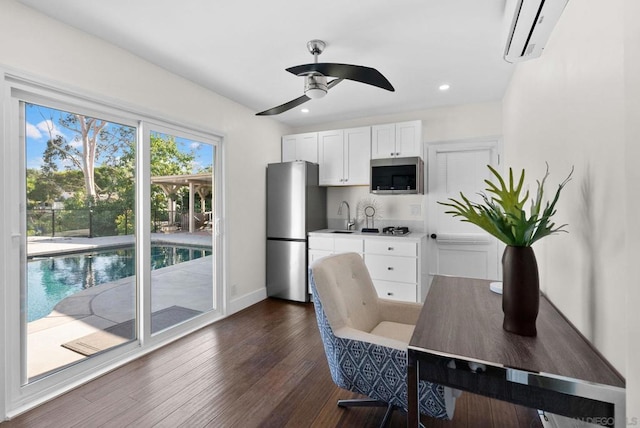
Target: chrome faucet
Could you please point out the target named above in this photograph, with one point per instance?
(350, 223)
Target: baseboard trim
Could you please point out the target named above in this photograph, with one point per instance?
(242, 302)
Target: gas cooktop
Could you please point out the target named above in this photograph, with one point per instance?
(395, 230)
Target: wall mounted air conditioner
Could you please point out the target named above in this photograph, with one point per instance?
(531, 27)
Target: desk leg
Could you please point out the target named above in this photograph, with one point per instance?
(413, 414)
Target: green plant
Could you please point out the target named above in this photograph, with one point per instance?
(502, 214)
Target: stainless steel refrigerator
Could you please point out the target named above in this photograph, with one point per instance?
(296, 205)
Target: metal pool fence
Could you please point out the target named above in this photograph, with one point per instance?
(94, 222)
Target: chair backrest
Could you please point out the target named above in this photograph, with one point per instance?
(347, 293)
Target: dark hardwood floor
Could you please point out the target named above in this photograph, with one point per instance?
(262, 367)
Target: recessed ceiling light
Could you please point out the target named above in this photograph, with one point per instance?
(305, 110)
(444, 87)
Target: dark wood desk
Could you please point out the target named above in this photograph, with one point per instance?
(558, 371)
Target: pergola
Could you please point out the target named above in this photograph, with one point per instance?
(199, 184)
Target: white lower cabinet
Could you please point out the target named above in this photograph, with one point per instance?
(394, 263)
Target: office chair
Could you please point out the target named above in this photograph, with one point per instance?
(365, 339)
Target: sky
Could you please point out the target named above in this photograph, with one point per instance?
(42, 124)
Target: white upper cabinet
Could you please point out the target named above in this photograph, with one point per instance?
(300, 147)
(383, 141)
(396, 140)
(357, 152)
(409, 138)
(343, 156)
(331, 157)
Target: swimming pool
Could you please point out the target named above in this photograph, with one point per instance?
(49, 280)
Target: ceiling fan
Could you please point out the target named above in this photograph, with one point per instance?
(315, 78)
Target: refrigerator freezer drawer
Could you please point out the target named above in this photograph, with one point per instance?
(287, 270)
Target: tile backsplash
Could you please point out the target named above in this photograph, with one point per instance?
(392, 210)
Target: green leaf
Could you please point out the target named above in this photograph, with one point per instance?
(502, 214)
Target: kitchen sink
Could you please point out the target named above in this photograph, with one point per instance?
(342, 231)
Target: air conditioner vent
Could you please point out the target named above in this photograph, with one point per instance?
(531, 27)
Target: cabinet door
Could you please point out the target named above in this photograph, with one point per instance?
(409, 138)
(331, 158)
(357, 154)
(383, 141)
(289, 148)
(300, 147)
(307, 147)
(317, 255)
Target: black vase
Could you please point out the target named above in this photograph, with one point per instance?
(520, 290)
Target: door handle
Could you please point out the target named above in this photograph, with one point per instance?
(434, 236)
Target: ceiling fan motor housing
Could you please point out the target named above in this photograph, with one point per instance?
(315, 86)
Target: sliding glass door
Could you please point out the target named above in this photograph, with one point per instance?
(79, 283)
(183, 217)
(114, 225)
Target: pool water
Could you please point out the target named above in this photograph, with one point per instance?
(52, 279)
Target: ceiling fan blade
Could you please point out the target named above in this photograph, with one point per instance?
(284, 107)
(359, 73)
(333, 83)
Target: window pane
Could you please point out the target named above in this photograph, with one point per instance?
(182, 211)
(79, 291)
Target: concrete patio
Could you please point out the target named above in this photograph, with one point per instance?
(188, 284)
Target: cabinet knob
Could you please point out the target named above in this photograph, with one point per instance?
(389, 293)
(390, 248)
(434, 236)
(390, 268)
(397, 153)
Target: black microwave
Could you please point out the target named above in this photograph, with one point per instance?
(400, 176)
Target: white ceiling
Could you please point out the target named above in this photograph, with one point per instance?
(240, 48)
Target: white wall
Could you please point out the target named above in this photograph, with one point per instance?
(33, 43)
(439, 125)
(632, 156)
(568, 108)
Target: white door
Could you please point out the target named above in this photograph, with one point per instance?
(459, 248)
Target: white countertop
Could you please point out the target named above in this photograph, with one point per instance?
(331, 233)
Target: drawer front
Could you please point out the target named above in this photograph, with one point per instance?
(397, 269)
(320, 243)
(396, 291)
(348, 245)
(391, 247)
(318, 254)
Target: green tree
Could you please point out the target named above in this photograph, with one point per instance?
(166, 159)
(95, 142)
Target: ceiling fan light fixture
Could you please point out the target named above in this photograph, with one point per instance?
(315, 86)
(315, 78)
